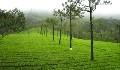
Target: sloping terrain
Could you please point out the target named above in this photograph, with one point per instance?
(35, 51)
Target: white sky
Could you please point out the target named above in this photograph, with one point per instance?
(49, 5)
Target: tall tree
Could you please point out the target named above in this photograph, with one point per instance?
(72, 10)
(54, 21)
(92, 7)
(46, 25)
(41, 27)
(61, 14)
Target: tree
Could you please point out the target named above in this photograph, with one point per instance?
(3, 23)
(61, 14)
(72, 10)
(92, 7)
(54, 21)
(11, 21)
(18, 20)
(46, 25)
(41, 27)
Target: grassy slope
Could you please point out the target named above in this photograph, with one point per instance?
(34, 51)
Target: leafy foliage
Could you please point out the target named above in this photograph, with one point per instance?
(11, 21)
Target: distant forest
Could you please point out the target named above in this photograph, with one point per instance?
(105, 29)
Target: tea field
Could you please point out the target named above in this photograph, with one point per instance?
(33, 51)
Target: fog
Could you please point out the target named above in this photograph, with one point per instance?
(49, 5)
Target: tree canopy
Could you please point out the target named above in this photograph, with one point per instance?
(11, 21)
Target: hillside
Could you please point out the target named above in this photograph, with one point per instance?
(35, 51)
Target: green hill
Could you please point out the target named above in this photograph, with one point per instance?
(34, 51)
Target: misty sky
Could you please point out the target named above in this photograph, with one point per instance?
(49, 5)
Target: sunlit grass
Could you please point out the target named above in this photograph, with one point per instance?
(36, 51)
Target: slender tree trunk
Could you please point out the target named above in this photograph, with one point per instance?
(46, 31)
(41, 30)
(60, 31)
(38, 30)
(91, 28)
(60, 37)
(57, 32)
(119, 34)
(70, 31)
(53, 31)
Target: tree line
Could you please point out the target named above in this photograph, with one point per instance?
(75, 8)
(105, 29)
